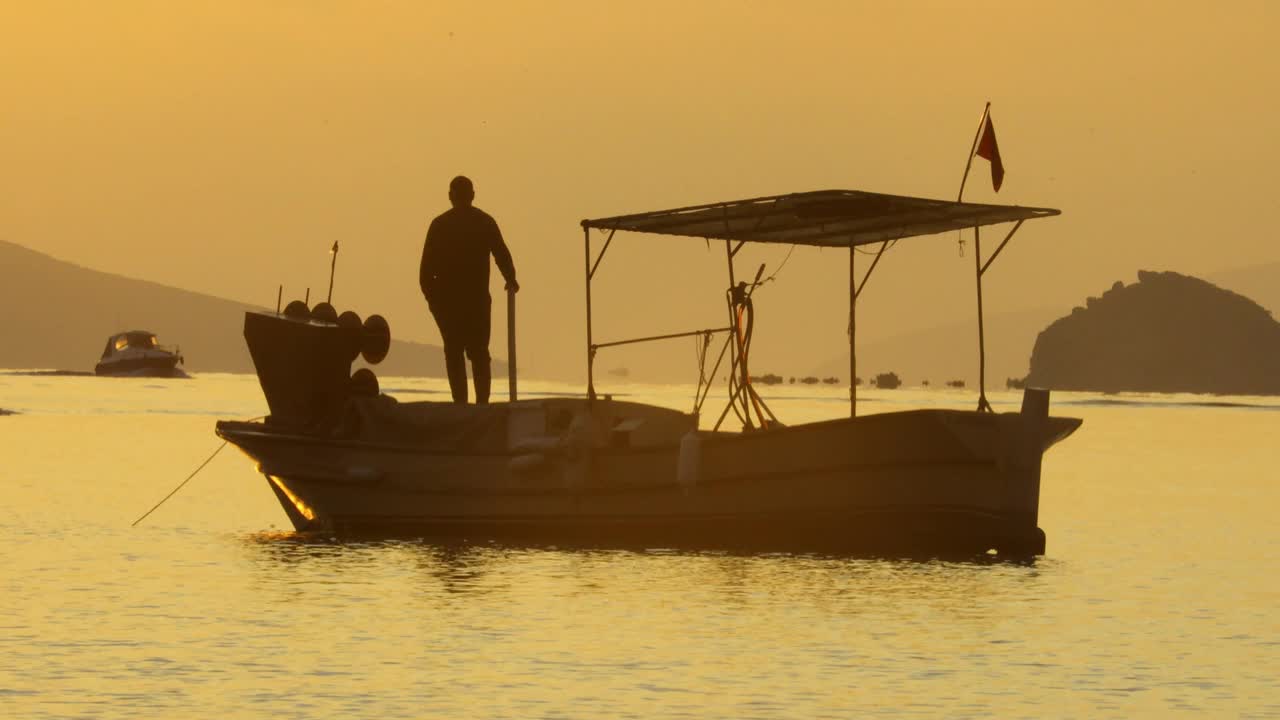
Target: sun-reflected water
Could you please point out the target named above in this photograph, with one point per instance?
(1155, 596)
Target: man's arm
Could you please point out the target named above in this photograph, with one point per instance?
(502, 256)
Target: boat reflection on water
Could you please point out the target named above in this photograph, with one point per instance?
(302, 563)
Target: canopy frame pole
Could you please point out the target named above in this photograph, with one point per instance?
(981, 269)
(591, 353)
(853, 326)
(855, 289)
(1004, 242)
(983, 405)
(883, 246)
(603, 250)
(669, 336)
(736, 394)
(706, 390)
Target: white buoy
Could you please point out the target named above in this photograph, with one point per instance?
(689, 463)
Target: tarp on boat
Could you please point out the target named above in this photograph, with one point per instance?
(822, 218)
(440, 426)
(541, 423)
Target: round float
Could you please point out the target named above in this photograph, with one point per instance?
(297, 310)
(324, 312)
(364, 383)
(377, 339)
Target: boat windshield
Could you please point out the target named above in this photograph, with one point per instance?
(140, 340)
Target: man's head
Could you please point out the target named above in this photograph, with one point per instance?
(461, 192)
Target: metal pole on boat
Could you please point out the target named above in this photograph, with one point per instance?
(853, 356)
(511, 344)
(983, 405)
(735, 354)
(586, 239)
(333, 264)
(977, 260)
(974, 148)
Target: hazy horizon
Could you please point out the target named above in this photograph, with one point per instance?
(224, 148)
(280, 535)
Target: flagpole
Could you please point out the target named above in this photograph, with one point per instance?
(977, 259)
(974, 148)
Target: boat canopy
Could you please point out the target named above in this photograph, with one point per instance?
(822, 218)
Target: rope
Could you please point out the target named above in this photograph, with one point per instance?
(184, 482)
(784, 264)
(700, 353)
(180, 485)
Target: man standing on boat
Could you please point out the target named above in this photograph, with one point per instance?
(454, 277)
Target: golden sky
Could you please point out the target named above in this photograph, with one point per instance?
(223, 146)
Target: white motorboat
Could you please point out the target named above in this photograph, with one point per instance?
(137, 353)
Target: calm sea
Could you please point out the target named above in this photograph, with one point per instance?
(1159, 595)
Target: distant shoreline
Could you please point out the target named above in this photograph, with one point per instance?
(45, 373)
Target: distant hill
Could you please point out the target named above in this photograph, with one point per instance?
(1166, 333)
(949, 352)
(58, 316)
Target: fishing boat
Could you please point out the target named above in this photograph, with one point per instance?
(137, 353)
(341, 457)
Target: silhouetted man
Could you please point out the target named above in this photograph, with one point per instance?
(454, 277)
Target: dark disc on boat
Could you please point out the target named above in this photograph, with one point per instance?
(297, 310)
(324, 312)
(377, 339)
(350, 319)
(364, 383)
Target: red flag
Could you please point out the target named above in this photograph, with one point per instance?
(988, 149)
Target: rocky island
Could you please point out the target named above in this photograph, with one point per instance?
(1165, 333)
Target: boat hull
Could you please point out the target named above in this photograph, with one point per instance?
(148, 365)
(929, 480)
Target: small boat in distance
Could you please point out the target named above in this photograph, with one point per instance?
(136, 353)
(887, 381)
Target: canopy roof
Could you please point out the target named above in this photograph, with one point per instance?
(824, 218)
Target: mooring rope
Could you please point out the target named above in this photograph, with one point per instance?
(180, 485)
(184, 482)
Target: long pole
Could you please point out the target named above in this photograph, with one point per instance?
(511, 344)
(982, 344)
(972, 149)
(586, 240)
(333, 264)
(977, 260)
(735, 357)
(853, 355)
